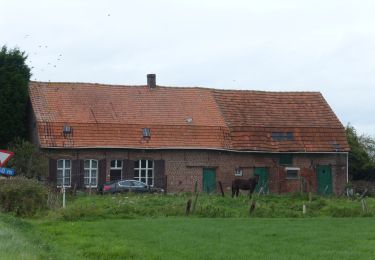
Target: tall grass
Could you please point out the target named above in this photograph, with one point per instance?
(208, 206)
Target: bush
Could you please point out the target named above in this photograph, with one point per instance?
(22, 196)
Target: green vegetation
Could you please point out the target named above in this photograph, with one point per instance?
(14, 80)
(150, 226)
(28, 160)
(150, 205)
(15, 242)
(361, 155)
(202, 238)
(22, 196)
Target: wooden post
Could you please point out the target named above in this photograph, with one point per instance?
(252, 206)
(196, 196)
(188, 206)
(221, 189)
(363, 201)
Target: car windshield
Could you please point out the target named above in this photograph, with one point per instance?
(125, 183)
(138, 184)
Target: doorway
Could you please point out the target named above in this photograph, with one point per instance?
(262, 172)
(209, 180)
(324, 177)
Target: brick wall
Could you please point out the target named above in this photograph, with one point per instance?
(184, 168)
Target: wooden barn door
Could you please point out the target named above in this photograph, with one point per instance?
(263, 178)
(324, 178)
(209, 180)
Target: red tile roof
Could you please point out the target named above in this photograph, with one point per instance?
(113, 116)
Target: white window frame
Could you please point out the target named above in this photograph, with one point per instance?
(91, 169)
(292, 169)
(238, 172)
(147, 168)
(116, 166)
(64, 170)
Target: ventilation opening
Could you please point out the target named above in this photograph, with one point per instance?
(146, 132)
(67, 129)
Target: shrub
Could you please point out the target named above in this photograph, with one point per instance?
(22, 196)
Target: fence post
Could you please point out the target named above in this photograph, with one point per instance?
(221, 188)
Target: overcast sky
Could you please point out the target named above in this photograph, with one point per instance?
(320, 45)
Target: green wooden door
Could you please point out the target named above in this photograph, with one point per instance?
(324, 177)
(209, 180)
(263, 178)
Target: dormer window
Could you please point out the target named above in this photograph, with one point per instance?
(67, 129)
(282, 136)
(146, 132)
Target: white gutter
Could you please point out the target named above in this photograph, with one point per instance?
(188, 148)
(347, 167)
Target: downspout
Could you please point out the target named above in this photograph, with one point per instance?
(347, 167)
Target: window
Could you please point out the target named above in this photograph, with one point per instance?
(115, 172)
(286, 159)
(238, 172)
(146, 132)
(144, 171)
(282, 136)
(292, 172)
(63, 173)
(91, 173)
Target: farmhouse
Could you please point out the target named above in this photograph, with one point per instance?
(171, 137)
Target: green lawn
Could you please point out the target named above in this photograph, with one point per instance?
(14, 244)
(132, 226)
(198, 238)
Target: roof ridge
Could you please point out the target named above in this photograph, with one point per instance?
(172, 87)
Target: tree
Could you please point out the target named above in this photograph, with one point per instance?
(368, 143)
(28, 160)
(14, 80)
(361, 160)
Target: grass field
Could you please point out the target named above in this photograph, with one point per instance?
(197, 238)
(131, 226)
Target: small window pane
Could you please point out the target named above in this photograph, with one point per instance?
(67, 181)
(87, 163)
(149, 173)
(87, 173)
(67, 163)
(60, 163)
(59, 182)
(86, 181)
(143, 173)
(94, 164)
(143, 180)
(113, 163)
(143, 163)
(93, 173)
(150, 163)
(67, 173)
(119, 163)
(93, 181)
(149, 181)
(59, 173)
(292, 174)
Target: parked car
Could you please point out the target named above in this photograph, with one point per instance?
(127, 186)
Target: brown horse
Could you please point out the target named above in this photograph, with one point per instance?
(240, 184)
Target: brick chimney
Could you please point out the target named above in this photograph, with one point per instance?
(151, 80)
